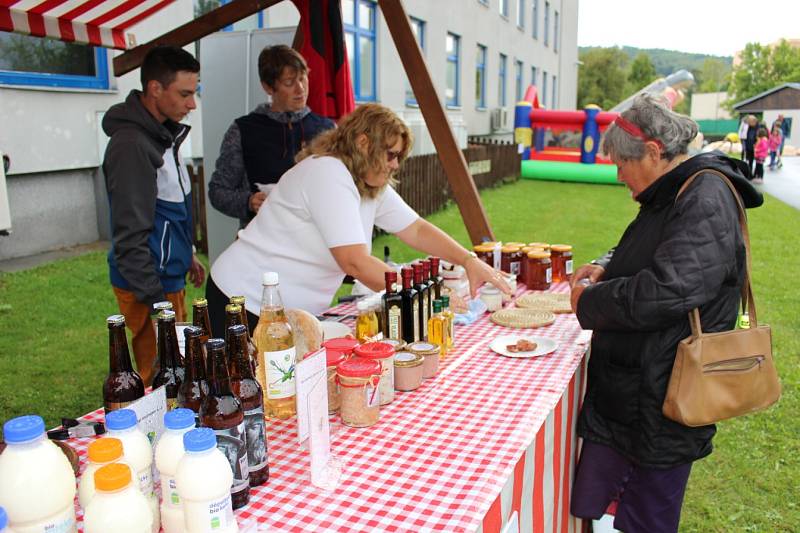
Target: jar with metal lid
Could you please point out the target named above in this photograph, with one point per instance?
(524, 265)
(561, 254)
(492, 297)
(542, 245)
(345, 345)
(398, 344)
(334, 400)
(510, 259)
(360, 399)
(384, 354)
(408, 370)
(485, 253)
(430, 354)
(538, 270)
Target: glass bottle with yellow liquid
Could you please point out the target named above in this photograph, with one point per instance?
(437, 329)
(449, 315)
(276, 352)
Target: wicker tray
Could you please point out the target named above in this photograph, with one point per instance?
(523, 318)
(545, 301)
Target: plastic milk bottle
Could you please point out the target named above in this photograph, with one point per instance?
(169, 451)
(101, 452)
(138, 453)
(37, 485)
(204, 484)
(117, 506)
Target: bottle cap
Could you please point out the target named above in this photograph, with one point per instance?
(161, 306)
(390, 277)
(269, 278)
(115, 320)
(23, 428)
(120, 419)
(105, 450)
(215, 344)
(233, 308)
(437, 306)
(192, 331)
(181, 418)
(236, 329)
(3, 518)
(239, 300)
(199, 440)
(112, 477)
(445, 300)
(200, 302)
(166, 314)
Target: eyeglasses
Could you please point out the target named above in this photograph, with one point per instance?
(391, 155)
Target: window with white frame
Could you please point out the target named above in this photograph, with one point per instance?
(501, 81)
(453, 91)
(518, 80)
(544, 88)
(253, 22)
(520, 14)
(555, 31)
(480, 77)
(418, 28)
(504, 7)
(546, 23)
(533, 76)
(535, 18)
(359, 21)
(554, 97)
(37, 62)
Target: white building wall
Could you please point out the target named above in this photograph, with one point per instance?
(708, 106)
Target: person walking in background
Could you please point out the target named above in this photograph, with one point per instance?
(747, 136)
(760, 151)
(150, 197)
(259, 147)
(775, 143)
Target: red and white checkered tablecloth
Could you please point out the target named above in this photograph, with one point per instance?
(440, 456)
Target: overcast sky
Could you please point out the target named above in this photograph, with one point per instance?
(704, 26)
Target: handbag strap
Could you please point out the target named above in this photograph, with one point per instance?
(748, 301)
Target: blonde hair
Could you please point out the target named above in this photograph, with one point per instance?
(382, 128)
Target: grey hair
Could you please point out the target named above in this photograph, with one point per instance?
(651, 114)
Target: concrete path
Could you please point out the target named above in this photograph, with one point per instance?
(784, 184)
(31, 261)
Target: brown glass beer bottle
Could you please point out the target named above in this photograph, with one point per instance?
(123, 384)
(194, 386)
(170, 363)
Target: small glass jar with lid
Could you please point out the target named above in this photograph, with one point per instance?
(430, 354)
(511, 259)
(485, 253)
(384, 354)
(561, 255)
(398, 344)
(538, 270)
(360, 398)
(333, 360)
(345, 345)
(492, 297)
(408, 371)
(542, 245)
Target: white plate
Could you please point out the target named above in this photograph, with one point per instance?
(333, 330)
(544, 345)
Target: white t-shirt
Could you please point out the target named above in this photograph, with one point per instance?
(315, 206)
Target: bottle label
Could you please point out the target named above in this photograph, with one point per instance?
(256, 437)
(231, 442)
(416, 320)
(548, 274)
(146, 481)
(568, 266)
(218, 513)
(169, 492)
(63, 522)
(394, 322)
(514, 267)
(280, 373)
(172, 403)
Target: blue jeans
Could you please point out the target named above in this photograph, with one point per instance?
(772, 157)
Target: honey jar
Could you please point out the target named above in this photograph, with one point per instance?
(485, 253)
(511, 259)
(561, 255)
(538, 270)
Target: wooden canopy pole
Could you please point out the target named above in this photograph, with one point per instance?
(192, 31)
(455, 166)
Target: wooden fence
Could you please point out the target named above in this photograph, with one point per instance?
(423, 184)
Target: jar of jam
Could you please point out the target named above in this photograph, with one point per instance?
(542, 245)
(333, 360)
(561, 255)
(345, 345)
(538, 271)
(360, 398)
(485, 253)
(511, 259)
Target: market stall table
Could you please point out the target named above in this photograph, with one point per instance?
(489, 436)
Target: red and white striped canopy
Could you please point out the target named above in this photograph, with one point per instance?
(96, 22)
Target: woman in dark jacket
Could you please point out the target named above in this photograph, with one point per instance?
(679, 253)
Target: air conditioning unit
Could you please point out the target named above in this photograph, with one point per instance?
(498, 120)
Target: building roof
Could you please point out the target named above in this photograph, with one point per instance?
(795, 86)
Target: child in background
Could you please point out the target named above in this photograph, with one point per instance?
(775, 139)
(761, 152)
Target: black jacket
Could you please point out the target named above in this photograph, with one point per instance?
(673, 257)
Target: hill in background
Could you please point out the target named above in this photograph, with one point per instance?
(668, 61)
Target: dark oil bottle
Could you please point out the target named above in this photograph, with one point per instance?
(438, 280)
(222, 411)
(424, 301)
(427, 280)
(249, 392)
(123, 384)
(170, 363)
(194, 386)
(392, 309)
(410, 307)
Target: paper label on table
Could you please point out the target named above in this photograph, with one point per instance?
(310, 401)
(150, 410)
(319, 434)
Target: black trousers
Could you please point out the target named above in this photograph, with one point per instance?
(750, 159)
(217, 300)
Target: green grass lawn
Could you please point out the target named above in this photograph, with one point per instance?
(53, 346)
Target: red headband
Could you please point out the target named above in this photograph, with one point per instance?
(635, 131)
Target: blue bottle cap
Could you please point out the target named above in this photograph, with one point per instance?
(23, 428)
(3, 519)
(179, 418)
(120, 419)
(199, 440)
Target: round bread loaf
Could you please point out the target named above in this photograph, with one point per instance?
(307, 331)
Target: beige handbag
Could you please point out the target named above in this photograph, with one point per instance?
(722, 375)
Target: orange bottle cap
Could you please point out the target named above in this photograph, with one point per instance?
(105, 450)
(112, 477)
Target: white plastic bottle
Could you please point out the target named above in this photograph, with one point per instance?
(169, 451)
(138, 453)
(101, 452)
(204, 483)
(37, 485)
(117, 506)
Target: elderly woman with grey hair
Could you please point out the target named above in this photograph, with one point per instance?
(683, 250)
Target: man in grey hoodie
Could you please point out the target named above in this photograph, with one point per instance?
(149, 193)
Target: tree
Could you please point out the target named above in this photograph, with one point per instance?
(602, 78)
(642, 73)
(762, 68)
(714, 76)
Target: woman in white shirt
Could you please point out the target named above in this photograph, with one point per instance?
(317, 225)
